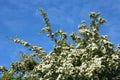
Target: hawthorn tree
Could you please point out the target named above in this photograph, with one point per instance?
(89, 56)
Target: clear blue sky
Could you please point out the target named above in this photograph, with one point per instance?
(21, 18)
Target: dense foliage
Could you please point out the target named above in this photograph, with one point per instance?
(89, 56)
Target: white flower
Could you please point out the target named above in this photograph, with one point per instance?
(82, 50)
(94, 46)
(66, 48)
(115, 57)
(41, 79)
(83, 66)
(82, 31)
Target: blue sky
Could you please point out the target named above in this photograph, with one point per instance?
(21, 18)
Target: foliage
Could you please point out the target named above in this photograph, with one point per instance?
(90, 56)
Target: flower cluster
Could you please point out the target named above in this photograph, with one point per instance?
(24, 43)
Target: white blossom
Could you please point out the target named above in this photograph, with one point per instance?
(115, 57)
